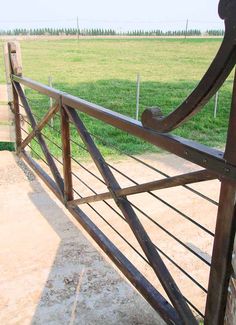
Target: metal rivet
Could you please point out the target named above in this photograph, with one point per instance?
(186, 153)
(204, 161)
(227, 170)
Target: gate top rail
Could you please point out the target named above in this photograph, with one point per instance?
(206, 157)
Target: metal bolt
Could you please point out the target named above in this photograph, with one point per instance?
(186, 153)
(204, 161)
(227, 170)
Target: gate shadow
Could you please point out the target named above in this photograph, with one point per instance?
(82, 287)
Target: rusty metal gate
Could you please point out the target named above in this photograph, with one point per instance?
(155, 128)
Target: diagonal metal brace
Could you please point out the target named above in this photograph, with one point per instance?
(38, 127)
(136, 226)
(50, 161)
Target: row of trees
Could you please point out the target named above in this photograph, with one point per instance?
(107, 32)
(214, 32)
(158, 32)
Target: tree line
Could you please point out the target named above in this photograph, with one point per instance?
(106, 32)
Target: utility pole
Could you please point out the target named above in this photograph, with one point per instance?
(186, 29)
(77, 21)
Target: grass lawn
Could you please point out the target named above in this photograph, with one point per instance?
(104, 71)
(7, 146)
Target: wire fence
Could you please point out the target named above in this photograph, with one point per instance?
(86, 180)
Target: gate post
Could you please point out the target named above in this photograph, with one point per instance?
(221, 267)
(230, 315)
(13, 66)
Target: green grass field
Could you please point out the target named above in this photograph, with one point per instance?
(104, 71)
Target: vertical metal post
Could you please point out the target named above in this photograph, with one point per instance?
(216, 104)
(66, 153)
(137, 95)
(50, 98)
(221, 268)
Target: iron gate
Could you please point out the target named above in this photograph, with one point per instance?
(155, 128)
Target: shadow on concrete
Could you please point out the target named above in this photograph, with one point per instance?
(82, 288)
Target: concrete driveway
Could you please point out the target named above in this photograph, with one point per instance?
(50, 270)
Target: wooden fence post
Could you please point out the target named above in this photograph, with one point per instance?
(8, 73)
(13, 66)
(8, 67)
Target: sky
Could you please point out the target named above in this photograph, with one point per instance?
(121, 15)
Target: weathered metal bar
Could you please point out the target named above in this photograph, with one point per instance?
(41, 88)
(224, 235)
(51, 163)
(156, 300)
(39, 126)
(66, 155)
(201, 155)
(190, 178)
(145, 242)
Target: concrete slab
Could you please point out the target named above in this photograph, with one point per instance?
(5, 114)
(51, 271)
(3, 93)
(7, 133)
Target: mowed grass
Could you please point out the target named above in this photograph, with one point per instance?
(104, 71)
